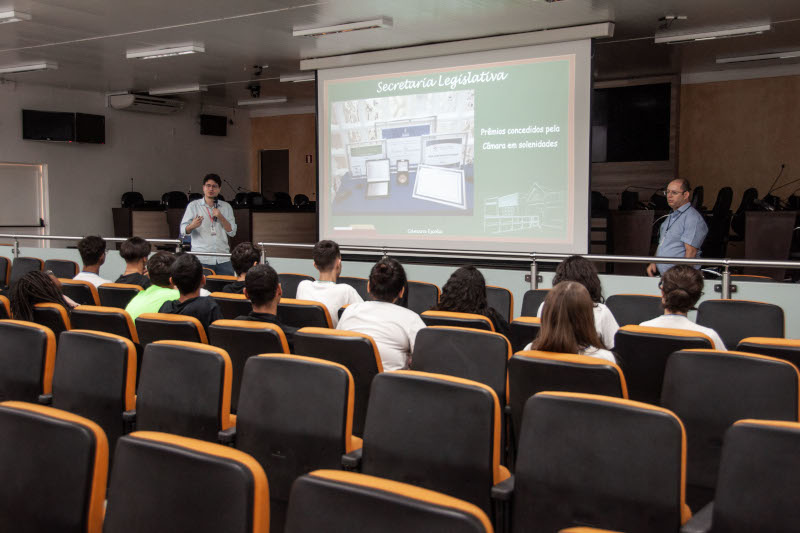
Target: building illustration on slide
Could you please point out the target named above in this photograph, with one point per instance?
(539, 208)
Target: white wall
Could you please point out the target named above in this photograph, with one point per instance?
(160, 152)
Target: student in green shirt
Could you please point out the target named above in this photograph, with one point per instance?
(151, 299)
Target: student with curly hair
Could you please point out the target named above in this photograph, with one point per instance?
(33, 288)
(681, 288)
(392, 327)
(568, 324)
(465, 292)
(576, 268)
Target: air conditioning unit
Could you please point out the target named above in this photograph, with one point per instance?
(144, 104)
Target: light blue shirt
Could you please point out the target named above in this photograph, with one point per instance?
(683, 226)
(210, 236)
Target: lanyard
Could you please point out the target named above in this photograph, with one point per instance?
(670, 223)
(211, 220)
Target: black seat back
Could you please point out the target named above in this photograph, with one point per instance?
(501, 300)
(82, 292)
(303, 313)
(786, 349)
(26, 360)
(232, 305)
(216, 282)
(153, 327)
(524, 330)
(359, 284)
(735, 320)
(62, 268)
(422, 296)
(108, 319)
(52, 316)
(23, 265)
(289, 283)
(117, 294)
(633, 309)
(459, 320)
(531, 301)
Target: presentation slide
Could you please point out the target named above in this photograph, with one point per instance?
(480, 151)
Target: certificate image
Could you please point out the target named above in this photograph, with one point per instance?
(444, 150)
(440, 185)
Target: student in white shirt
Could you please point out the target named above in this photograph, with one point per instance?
(93, 255)
(568, 324)
(576, 268)
(392, 327)
(328, 260)
(681, 287)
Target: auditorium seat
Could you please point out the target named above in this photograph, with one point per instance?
(216, 282)
(163, 326)
(633, 309)
(531, 372)
(786, 349)
(417, 432)
(588, 460)
(376, 504)
(108, 319)
(62, 268)
(759, 479)
(643, 352)
(232, 305)
(174, 200)
(461, 320)
(82, 292)
(208, 271)
(54, 468)
(502, 300)
(95, 377)
(295, 415)
(733, 320)
(185, 388)
(531, 301)
(289, 283)
(304, 313)
(164, 482)
(5, 271)
(117, 294)
(21, 266)
(241, 340)
(524, 329)
(422, 296)
(359, 284)
(5, 308)
(710, 390)
(53, 316)
(27, 358)
(355, 351)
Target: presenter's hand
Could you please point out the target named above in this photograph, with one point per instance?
(194, 224)
(652, 270)
(216, 212)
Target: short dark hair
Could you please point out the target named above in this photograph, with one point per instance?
(91, 248)
(685, 186)
(187, 273)
(325, 254)
(159, 268)
(243, 257)
(134, 249)
(213, 177)
(386, 279)
(576, 268)
(681, 287)
(261, 283)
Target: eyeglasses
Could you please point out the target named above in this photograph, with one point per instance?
(668, 192)
(211, 186)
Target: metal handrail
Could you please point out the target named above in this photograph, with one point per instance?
(17, 237)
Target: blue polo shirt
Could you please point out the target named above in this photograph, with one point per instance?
(683, 226)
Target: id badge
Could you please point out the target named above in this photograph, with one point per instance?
(213, 228)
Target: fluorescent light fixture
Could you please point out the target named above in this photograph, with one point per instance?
(263, 101)
(297, 78)
(165, 51)
(13, 16)
(382, 22)
(672, 37)
(179, 89)
(789, 54)
(31, 67)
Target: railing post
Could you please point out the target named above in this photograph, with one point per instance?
(725, 287)
(264, 260)
(385, 253)
(16, 248)
(179, 247)
(534, 273)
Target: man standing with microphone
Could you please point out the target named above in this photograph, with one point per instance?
(210, 222)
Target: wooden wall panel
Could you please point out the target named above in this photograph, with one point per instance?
(296, 133)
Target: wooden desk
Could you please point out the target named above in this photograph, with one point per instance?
(142, 223)
(289, 227)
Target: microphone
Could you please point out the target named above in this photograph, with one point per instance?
(216, 206)
(229, 185)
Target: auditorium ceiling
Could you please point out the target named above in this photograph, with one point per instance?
(89, 38)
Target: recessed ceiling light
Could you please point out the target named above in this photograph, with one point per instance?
(178, 89)
(263, 101)
(13, 16)
(382, 22)
(670, 37)
(30, 67)
(297, 78)
(165, 51)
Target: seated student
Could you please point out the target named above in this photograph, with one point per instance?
(244, 256)
(33, 288)
(576, 268)
(568, 323)
(328, 260)
(465, 292)
(392, 327)
(135, 251)
(681, 287)
(161, 290)
(187, 276)
(93, 255)
(262, 287)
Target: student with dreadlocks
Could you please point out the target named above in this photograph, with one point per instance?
(33, 288)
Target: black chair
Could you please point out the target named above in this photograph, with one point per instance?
(117, 294)
(283, 200)
(5, 271)
(502, 300)
(174, 200)
(195, 196)
(697, 198)
(460, 320)
(749, 198)
(300, 200)
(5, 308)
(719, 225)
(289, 283)
(216, 282)
(82, 292)
(524, 330)
(359, 284)
(54, 466)
(786, 349)
(232, 305)
(422, 296)
(107, 319)
(132, 199)
(633, 309)
(735, 320)
(53, 317)
(304, 313)
(21, 266)
(532, 300)
(153, 327)
(62, 268)
(26, 360)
